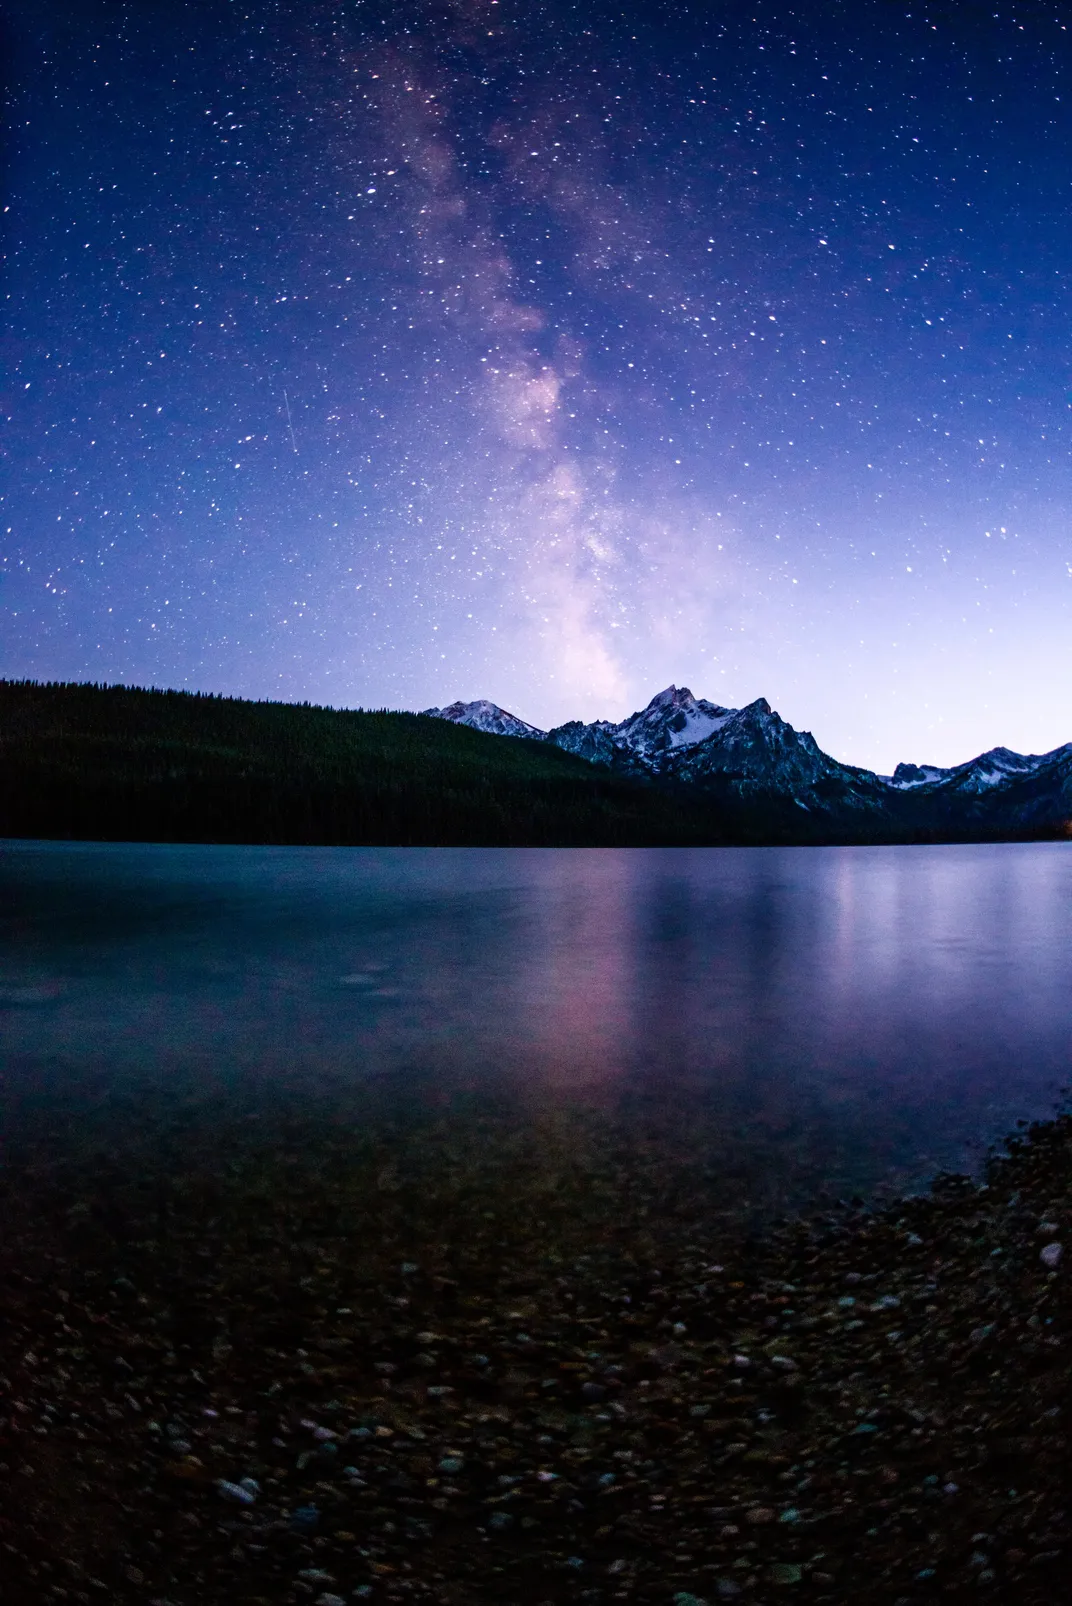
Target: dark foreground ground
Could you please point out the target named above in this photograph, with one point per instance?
(265, 1360)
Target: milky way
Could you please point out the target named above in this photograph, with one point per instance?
(383, 356)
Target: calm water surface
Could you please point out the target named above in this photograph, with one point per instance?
(850, 1017)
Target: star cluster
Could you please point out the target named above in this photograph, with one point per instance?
(382, 355)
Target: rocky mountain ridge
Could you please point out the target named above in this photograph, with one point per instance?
(751, 758)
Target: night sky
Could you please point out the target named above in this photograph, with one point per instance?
(381, 355)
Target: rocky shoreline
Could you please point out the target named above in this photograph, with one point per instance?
(354, 1364)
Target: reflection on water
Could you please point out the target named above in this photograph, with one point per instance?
(843, 1016)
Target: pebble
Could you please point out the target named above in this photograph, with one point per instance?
(1051, 1255)
(236, 1491)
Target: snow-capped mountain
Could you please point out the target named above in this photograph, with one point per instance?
(751, 759)
(1001, 764)
(742, 754)
(673, 719)
(644, 742)
(906, 776)
(485, 716)
(737, 753)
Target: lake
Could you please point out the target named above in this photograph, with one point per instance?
(793, 1019)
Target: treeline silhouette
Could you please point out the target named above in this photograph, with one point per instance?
(111, 763)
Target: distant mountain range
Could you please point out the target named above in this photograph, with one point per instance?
(116, 763)
(751, 759)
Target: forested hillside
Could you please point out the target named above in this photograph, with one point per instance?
(116, 764)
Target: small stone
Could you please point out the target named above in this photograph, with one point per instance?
(235, 1492)
(327, 1599)
(1051, 1255)
(593, 1392)
(759, 1515)
(451, 1463)
(305, 1518)
(683, 1598)
(785, 1572)
(500, 1521)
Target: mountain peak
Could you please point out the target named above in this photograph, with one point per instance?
(674, 718)
(909, 775)
(673, 696)
(483, 715)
